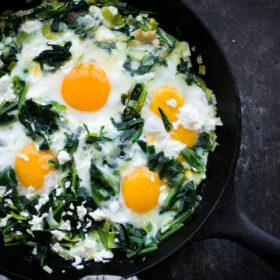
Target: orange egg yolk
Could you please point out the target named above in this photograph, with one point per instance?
(185, 136)
(86, 88)
(163, 94)
(32, 166)
(140, 190)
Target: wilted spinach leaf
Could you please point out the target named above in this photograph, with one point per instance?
(55, 57)
(38, 120)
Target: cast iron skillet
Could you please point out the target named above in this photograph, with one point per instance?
(176, 17)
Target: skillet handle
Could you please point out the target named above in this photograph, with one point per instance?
(229, 222)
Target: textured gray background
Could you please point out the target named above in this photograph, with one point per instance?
(249, 33)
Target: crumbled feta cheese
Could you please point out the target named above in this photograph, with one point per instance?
(67, 184)
(79, 225)
(98, 215)
(58, 234)
(58, 191)
(65, 225)
(8, 202)
(56, 247)
(36, 222)
(104, 34)
(198, 120)
(63, 157)
(71, 206)
(81, 211)
(103, 256)
(42, 200)
(78, 260)
(31, 25)
(172, 102)
(2, 191)
(4, 221)
(95, 11)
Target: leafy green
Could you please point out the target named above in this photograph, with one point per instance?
(63, 11)
(106, 46)
(8, 179)
(206, 141)
(94, 138)
(167, 124)
(184, 68)
(55, 57)
(143, 68)
(20, 88)
(167, 167)
(123, 7)
(195, 161)
(38, 120)
(72, 141)
(9, 59)
(167, 39)
(102, 188)
(5, 108)
(12, 24)
(133, 241)
(131, 123)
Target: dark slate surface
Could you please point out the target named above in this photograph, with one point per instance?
(249, 33)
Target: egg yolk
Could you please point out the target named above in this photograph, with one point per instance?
(162, 95)
(32, 166)
(140, 190)
(86, 88)
(185, 136)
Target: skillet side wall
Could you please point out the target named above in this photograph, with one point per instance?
(16, 261)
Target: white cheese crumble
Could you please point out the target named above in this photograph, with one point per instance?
(194, 119)
(36, 222)
(31, 26)
(98, 215)
(42, 200)
(5, 220)
(172, 103)
(63, 157)
(81, 211)
(104, 34)
(59, 191)
(58, 234)
(65, 225)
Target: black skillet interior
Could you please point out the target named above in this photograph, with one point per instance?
(176, 18)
